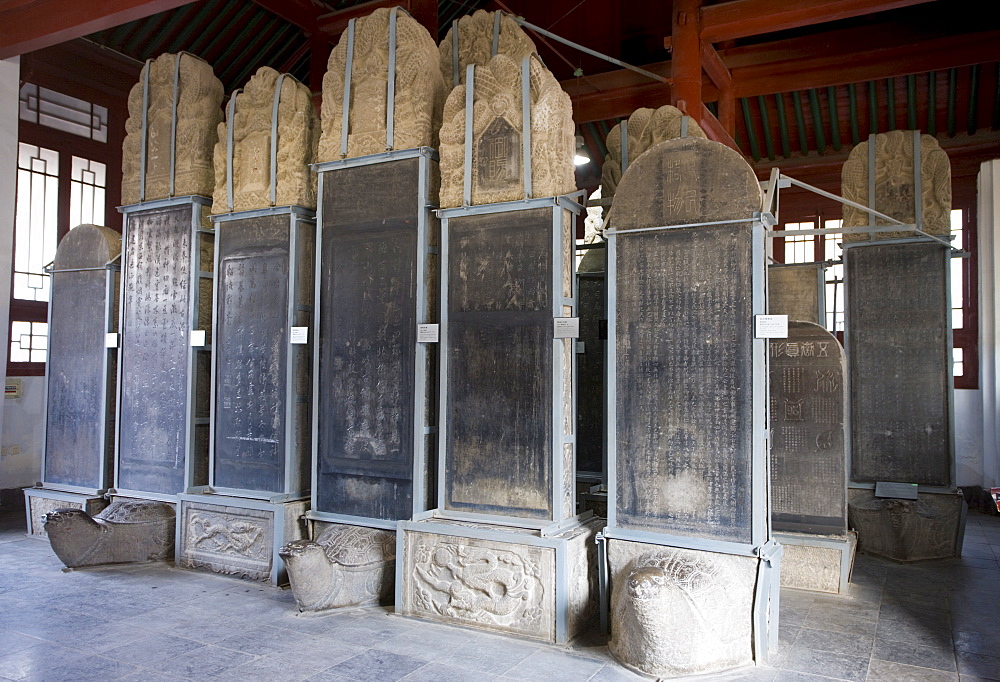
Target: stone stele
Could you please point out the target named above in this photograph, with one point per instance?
(908, 530)
(793, 290)
(298, 134)
(198, 114)
(680, 612)
(475, 43)
(127, 531)
(498, 135)
(419, 89)
(646, 127)
(344, 566)
(894, 186)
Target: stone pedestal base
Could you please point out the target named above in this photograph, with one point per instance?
(821, 563)
(344, 566)
(40, 501)
(237, 536)
(678, 612)
(508, 580)
(930, 527)
(126, 531)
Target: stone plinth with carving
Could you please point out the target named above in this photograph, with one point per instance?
(475, 43)
(895, 187)
(344, 566)
(418, 96)
(40, 502)
(930, 527)
(680, 612)
(506, 582)
(184, 129)
(821, 563)
(498, 136)
(646, 127)
(127, 531)
(297, 132)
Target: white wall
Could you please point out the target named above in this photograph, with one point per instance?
(10, 72)
(23, 426)
(968, 437)
(989, 316)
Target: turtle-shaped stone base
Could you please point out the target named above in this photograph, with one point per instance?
(127, 531)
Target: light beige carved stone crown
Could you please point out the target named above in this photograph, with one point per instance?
(298, 135)
(199, 97)
(894, 186)
(646, 127)
(497, 134)
(419, 89)
(475, 43)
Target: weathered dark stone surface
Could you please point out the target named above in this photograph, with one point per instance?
(154, 351)
(793, 290)
(252, 353)
(127, 531)
(897, 322)
(808, 437)
(499, 427)
(684, 342)
(929, 527)
(78, 388)
(367, 340)
(590, 374)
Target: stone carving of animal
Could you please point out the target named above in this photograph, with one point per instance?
(344, 566)
(127, 531)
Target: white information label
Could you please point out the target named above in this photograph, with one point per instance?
(298, 335)
(771, 326)
(428, 333)
(197, 338)
(111, 340)
(567, 327)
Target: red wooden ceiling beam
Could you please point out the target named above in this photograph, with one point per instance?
(715, 130)
(302, 13)
(335, 23)
(743, 18)
(32, 25)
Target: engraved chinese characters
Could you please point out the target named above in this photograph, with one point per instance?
(808, 477)
(419, 89)
(684, 338)
(79, 423)
(897, 310)
(297, 129)
(155, 375)
(183, 109)
(646, 127)
(498, 136)
(895, 188)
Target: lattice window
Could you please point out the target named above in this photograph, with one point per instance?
(29, 341)
(87, 183)
(36, 221)
(63, 112)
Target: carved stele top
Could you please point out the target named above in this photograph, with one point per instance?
(419, 89)
(497, 134)
(87, 246)
(646, 127)
(894, 186)
(686, 180)
(198, 113)
(298, 134)
(475, 43)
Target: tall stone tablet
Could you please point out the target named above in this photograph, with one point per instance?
(183, 101)
(591, 293)
(646, 127)
(684, 342)
(808, 456)
(898, 322)
(418, 88)
(795, 290)
(498, 136)
(895, 189)
(476, 44)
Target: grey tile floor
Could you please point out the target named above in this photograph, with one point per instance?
(930, 621)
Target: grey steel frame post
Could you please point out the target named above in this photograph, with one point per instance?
(103, 482)
(949, 350)
(300, 218)
(557, 520)
(421, 429)
(196, 274)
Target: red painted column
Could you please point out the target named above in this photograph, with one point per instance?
(686, 57)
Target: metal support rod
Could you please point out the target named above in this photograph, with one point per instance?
(846, 202)
(173, 123)
(345, 116)
(470, 85)
(274, 138)
(390, 85)
(592, 53)
(918, 202)
(230, 123)
(624, 136)
(495, 45)
(525, 122)
(145, 130)
(456, 76)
